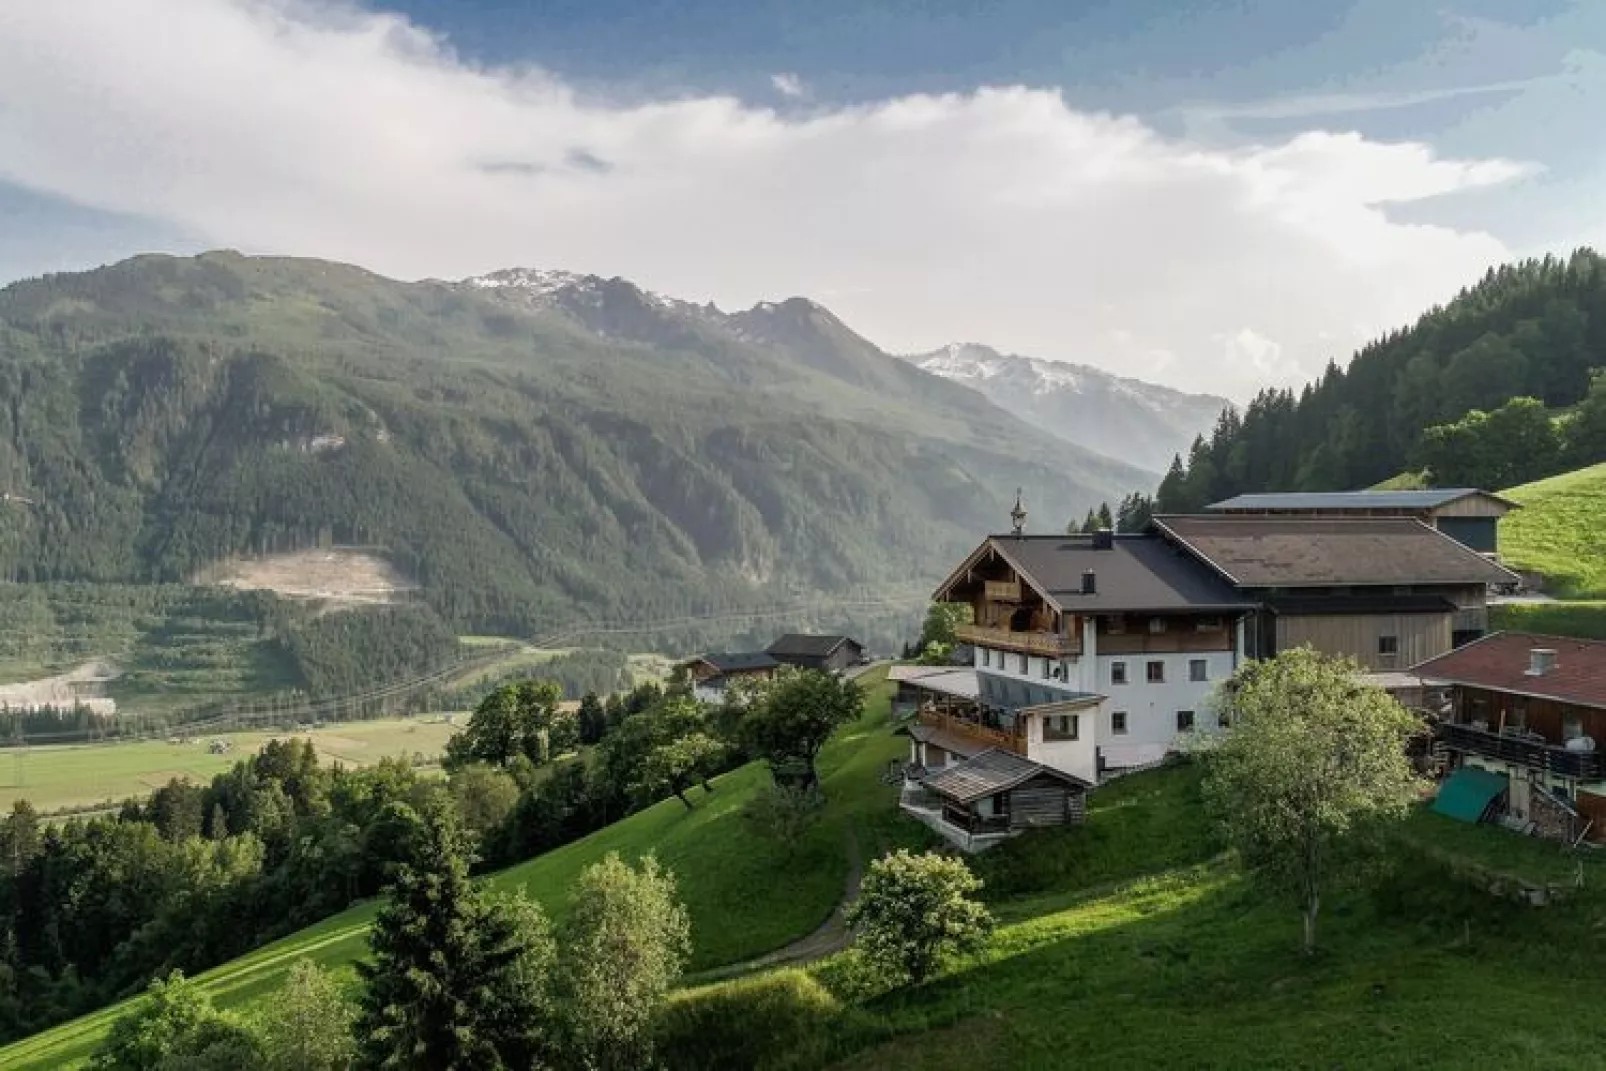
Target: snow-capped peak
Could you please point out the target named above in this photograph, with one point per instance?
(538, 282)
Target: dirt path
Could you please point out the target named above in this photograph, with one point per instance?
(832, 936)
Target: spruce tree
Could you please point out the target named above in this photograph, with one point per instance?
(455, 980)
(1105, 520)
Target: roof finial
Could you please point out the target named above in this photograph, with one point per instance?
(1018, 514)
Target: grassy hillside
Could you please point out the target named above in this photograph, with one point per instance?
(1560, 532)
(746, 894)
(1145, 953)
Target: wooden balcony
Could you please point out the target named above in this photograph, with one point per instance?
(1002, 590)
(1520, 751)
(972, 729)
(1048, 644)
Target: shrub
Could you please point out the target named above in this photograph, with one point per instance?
(913, 910)
(775, 1021)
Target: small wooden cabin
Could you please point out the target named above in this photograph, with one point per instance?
(997, 793)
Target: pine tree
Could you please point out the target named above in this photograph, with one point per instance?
(593, 719)
(1172, 489)
(456, 980)
(1105, 520)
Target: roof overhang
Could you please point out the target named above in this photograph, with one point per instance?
(990, 546)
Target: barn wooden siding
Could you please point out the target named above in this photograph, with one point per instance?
(1418, 636)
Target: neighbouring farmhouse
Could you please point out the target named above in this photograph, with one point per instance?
(1521, 720)
(1465, 514)
(834, 654)
(1094, 653)
(711, 674)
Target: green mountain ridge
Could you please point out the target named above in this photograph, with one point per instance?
(533, 460)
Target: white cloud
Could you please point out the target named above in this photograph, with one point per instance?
(1003, 215)
(788, 85)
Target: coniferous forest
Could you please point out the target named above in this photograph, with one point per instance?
(1494, 388)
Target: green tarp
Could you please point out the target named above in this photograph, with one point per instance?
(1467, 793)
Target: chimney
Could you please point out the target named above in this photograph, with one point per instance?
(1103, 539)
(1090, 583)
(1541, 660)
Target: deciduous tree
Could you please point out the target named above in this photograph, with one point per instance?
(797, 715)
(623, 947)
(913, 910)
(1315, 761)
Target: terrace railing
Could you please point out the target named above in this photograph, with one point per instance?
(1533, 754)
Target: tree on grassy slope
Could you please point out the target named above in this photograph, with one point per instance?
(913, 910)
(308, 1026)
(176, 1028)
(1315, 761)
(796, 716)
(623, 947)
(457, 980)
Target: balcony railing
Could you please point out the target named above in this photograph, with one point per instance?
(973, 823)
(1048, 644)
(991, 735)
(1581, 765)
(1002, 590)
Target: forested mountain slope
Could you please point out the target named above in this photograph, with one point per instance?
(534, 449)
(1532, 329)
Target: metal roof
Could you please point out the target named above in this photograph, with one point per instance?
(1295, 552)
(991, 771)
(1352, 500)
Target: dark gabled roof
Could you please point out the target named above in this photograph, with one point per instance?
(1353, 500)
(1499, 662)
(991, 771)
(1136, 573)
(1292, 552)
(802, 645)
(953, 743)
(739, 661)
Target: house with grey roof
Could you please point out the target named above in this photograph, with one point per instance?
(1094, 653)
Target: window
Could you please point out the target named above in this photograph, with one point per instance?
(1117, 624)
(1118, 723)
(1198, 670)
(1208, 624)
(1156, 672)
(1062, 727)
(986, 657)
(1184, 720)
(1023, 665)
(1223, 720)
(1048, 668)
(1388, 645)
(1117, 672)
(1157, 625)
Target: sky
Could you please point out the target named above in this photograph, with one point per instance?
(1219, 195)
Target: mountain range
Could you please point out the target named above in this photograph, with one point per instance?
(534, 449)
(1143, 423)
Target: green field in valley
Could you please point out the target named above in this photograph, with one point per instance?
(1560, 532)
(77, 775)
(746, 894)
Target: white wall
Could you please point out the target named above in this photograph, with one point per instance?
(1151, 709)
(1079, 756)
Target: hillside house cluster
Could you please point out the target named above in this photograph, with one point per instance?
(711, 674)
(1092, 654)
(1518, 721)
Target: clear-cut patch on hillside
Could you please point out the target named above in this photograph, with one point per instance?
(81, 687)
(332, 574)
